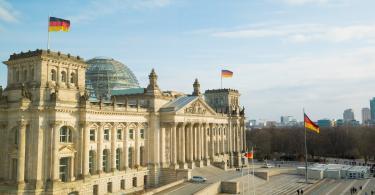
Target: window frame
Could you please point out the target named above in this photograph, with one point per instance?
(106, 135)
(131, 133)
(119, 134)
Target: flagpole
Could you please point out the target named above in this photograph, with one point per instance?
(252, 164)
(242, 182)
(305, 145)
(221, 80)
(48, 33)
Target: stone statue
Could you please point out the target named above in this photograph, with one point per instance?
(25, 93)
(242, 112)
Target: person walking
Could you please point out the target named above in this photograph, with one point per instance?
(301, 192)
(298, 191)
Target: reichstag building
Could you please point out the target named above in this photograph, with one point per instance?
(69, 126)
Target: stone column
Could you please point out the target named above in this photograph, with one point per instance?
(191, 146)
(162, 145)
(222, 139)
(71, 172)
(100, 149)
(58, 76)
(198, 142)
(183, 148)
(174, 145)
(238, 138)
(21, 152)
(202, 142)
(205, 142)
(244, 138)
(113, 147)
(55, 146)
(136, 148)
(126, 149)
(212, 141)
(86, 141)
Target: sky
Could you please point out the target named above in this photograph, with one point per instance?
(286, 55)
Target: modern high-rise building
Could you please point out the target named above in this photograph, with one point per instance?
(325, 123)
(348, 115)
(366, 115)
(372, 109)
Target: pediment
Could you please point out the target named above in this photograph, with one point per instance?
(67, 150)
(197, 107)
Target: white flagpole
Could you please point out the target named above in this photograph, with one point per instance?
(221, 79)
(305, 146)
(48, 33)
(242, 182)
(252, 162)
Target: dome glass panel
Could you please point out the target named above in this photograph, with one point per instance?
(105, 74)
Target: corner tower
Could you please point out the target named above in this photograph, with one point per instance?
(42, 73)
(223, 100)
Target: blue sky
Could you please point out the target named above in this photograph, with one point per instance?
(285, 54)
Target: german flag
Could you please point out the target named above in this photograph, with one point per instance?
(226, 73)
(58, 24)
(310, 125)
(249, 155)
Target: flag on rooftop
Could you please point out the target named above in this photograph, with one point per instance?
(226, 73)
(58, 24)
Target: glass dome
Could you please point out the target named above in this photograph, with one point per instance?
(105, 74)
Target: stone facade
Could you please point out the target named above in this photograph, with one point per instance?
(56, 139)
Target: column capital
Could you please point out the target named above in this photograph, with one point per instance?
(85, 124)
(22, 123)
(54, 124)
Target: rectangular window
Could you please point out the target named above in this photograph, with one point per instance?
(91, 162)
(142, 132)
(131, 133)
(119, 134)
(106, 134)
(95, 190)
(109, 187)
(92, 135)
(64, 165)
(123, 184)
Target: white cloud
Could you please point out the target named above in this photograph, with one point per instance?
(99, 8)
(301, 2)
(324, 84)
(314, 2)
(304, 32)
(7, 13)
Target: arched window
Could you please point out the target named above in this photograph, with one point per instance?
(118, 154)
(63, 76)
(65, 134)
(106, 160)
(53, 75)
(72, 78)
(24, 75)
(92, 162)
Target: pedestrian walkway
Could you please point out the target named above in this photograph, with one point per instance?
(343, 186)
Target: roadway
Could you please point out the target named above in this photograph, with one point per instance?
(212, 174)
